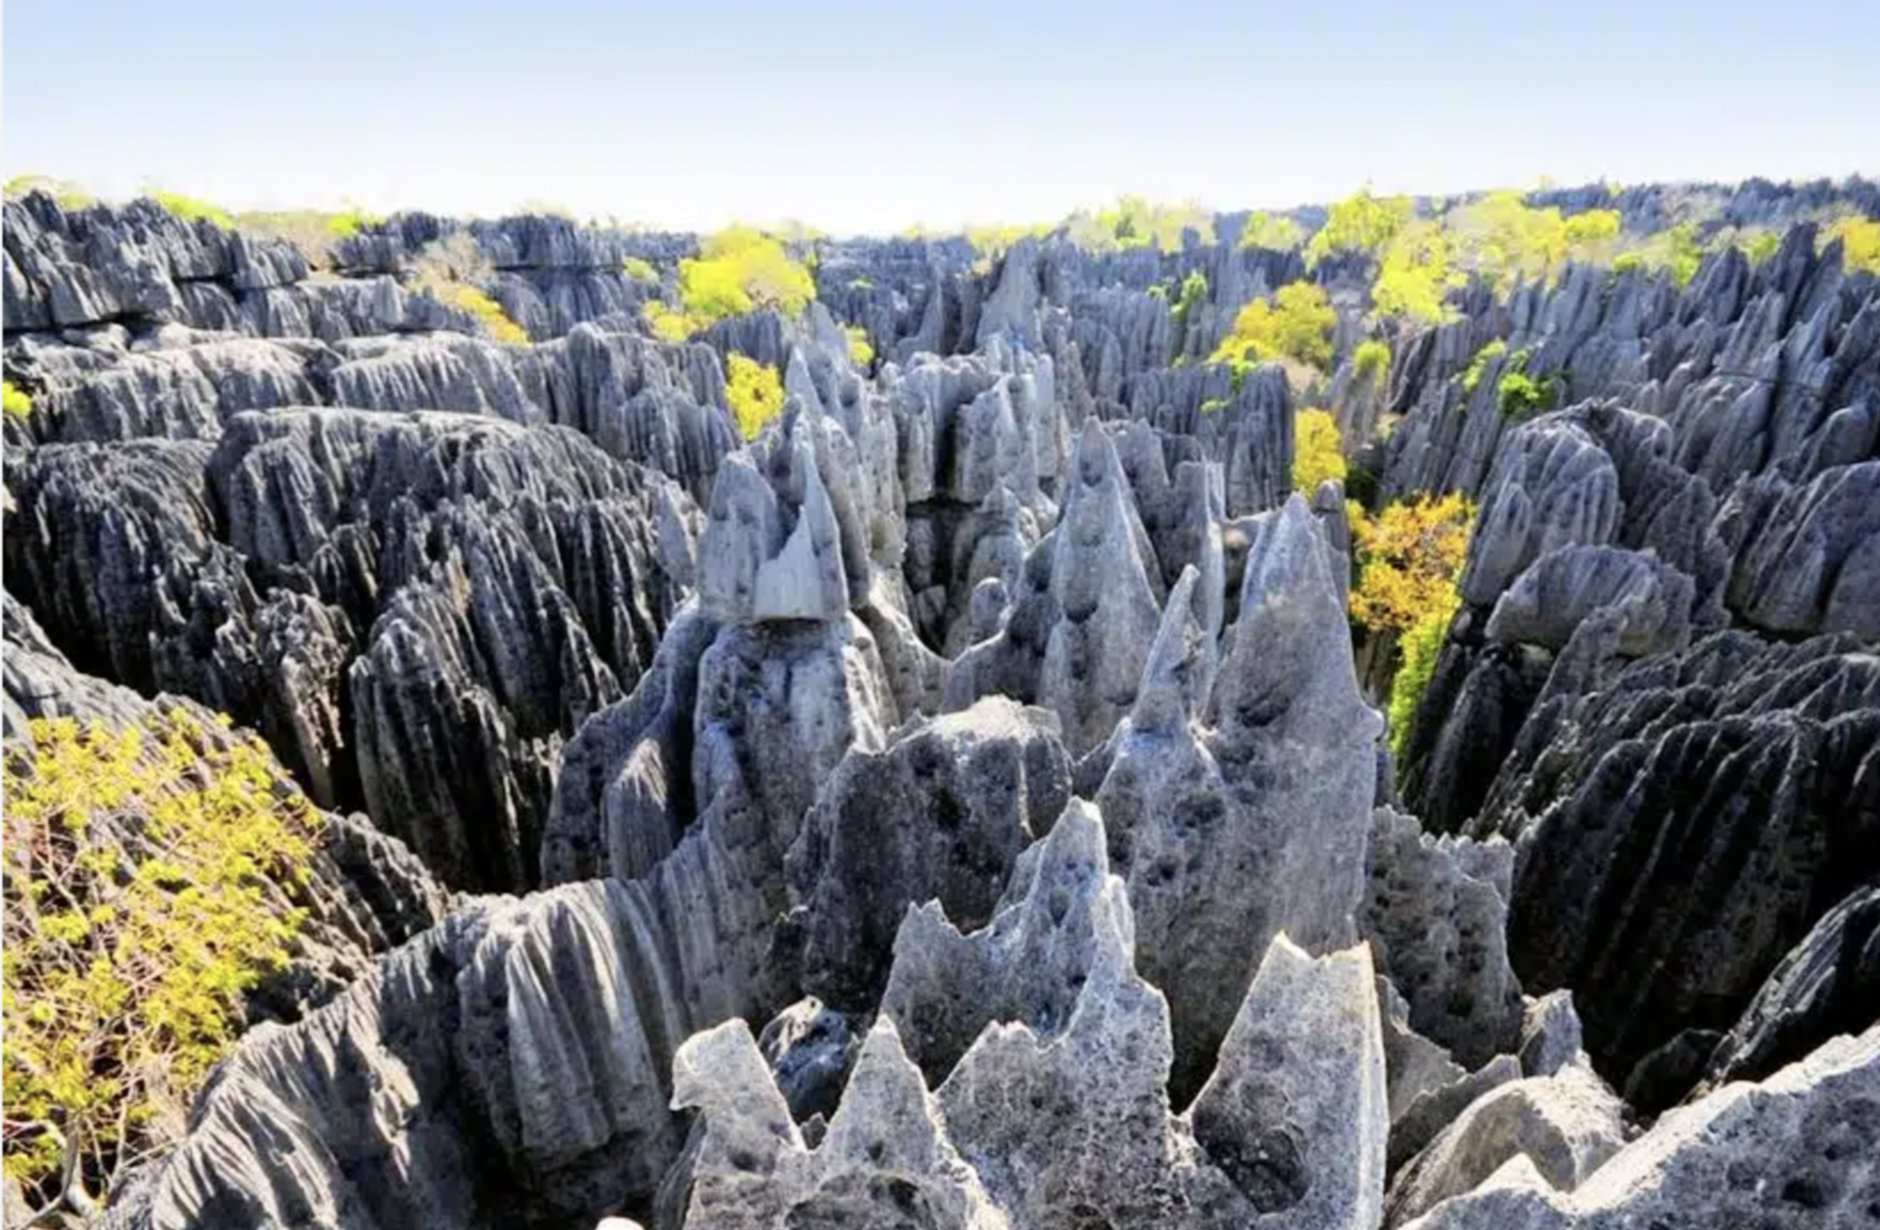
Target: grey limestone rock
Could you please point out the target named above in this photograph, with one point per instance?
(940, 814)
(1436, 915)
(1796, 1150)
(1827, 985)
(1107, 610)
(1550, 1034)
(1566, 1125)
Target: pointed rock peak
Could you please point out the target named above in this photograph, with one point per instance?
(1291, 661)
(1295, 1113)
(886, 1117)
(1174, 678)
(722, 1074)
(743, 528)
(805, 580)
(798, 383)
(1096, 455)
(1286, 559)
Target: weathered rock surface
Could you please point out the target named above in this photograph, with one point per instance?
(1679, 832)
(1566, 1125)
(940, 814)
(363, 893)
(1436, 916)
(1796, 1150)
(415, 609)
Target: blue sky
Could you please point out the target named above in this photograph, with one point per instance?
(872, 116)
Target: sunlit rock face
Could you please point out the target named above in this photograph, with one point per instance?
(961, 804)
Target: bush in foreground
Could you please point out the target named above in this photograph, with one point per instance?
(144, 880)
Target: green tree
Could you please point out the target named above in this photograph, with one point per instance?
(1296, 323)
(1415, 276)
(1361, 222)
(1275, 231)
(1318, 452)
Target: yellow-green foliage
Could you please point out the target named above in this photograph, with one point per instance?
(67, 194)
(1860, 242)
(1414, 276)
(1500, 236)
(1296, 323)
(1370, 361)
(669, 324)
(1472, 375)
(861, 284)
(1758, 243)
(485, 309)
(190, 209)
(312, 231)
(861, 352)
(1518, 395)
(1421, 647)
(449, 269)
(1318, 453)
(146, 886)
(1676, 251)
(1264, 230)
(1194, 294)
(15, 401)
(1360, 223)
(639, 269)
(1214, 405)
(1408, 559)
(993, 241)
(1137, 222)
(755, 391)
(739, 270)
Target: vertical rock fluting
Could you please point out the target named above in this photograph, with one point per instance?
(1227, 803)
(814, 754)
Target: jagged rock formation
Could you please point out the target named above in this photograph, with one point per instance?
(1227, 801)
(989, 726)
(1289, 1126)
(1795, 1150)
(1564, 1125)
(1623, 803)
(415, 609)
(364, 893)
(940, 815)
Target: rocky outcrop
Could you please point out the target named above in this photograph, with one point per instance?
(362, 893)
(1794, 1150)
(1681, 830)
(1435, 914)
(1565, 1126)
(940, 814)
(1290, 1126)
(1826, 986)
(415, 609)
(1228, 794)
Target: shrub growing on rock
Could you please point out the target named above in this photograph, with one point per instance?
(1361, 223)
(145, 877)
(15, 402)
(1296, 323)
(1408, 559)
(1860, 242)
(755, 391)
(1370, 362)
(191, 209)
(738, 270)
(449, 270)
(1318, 452)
